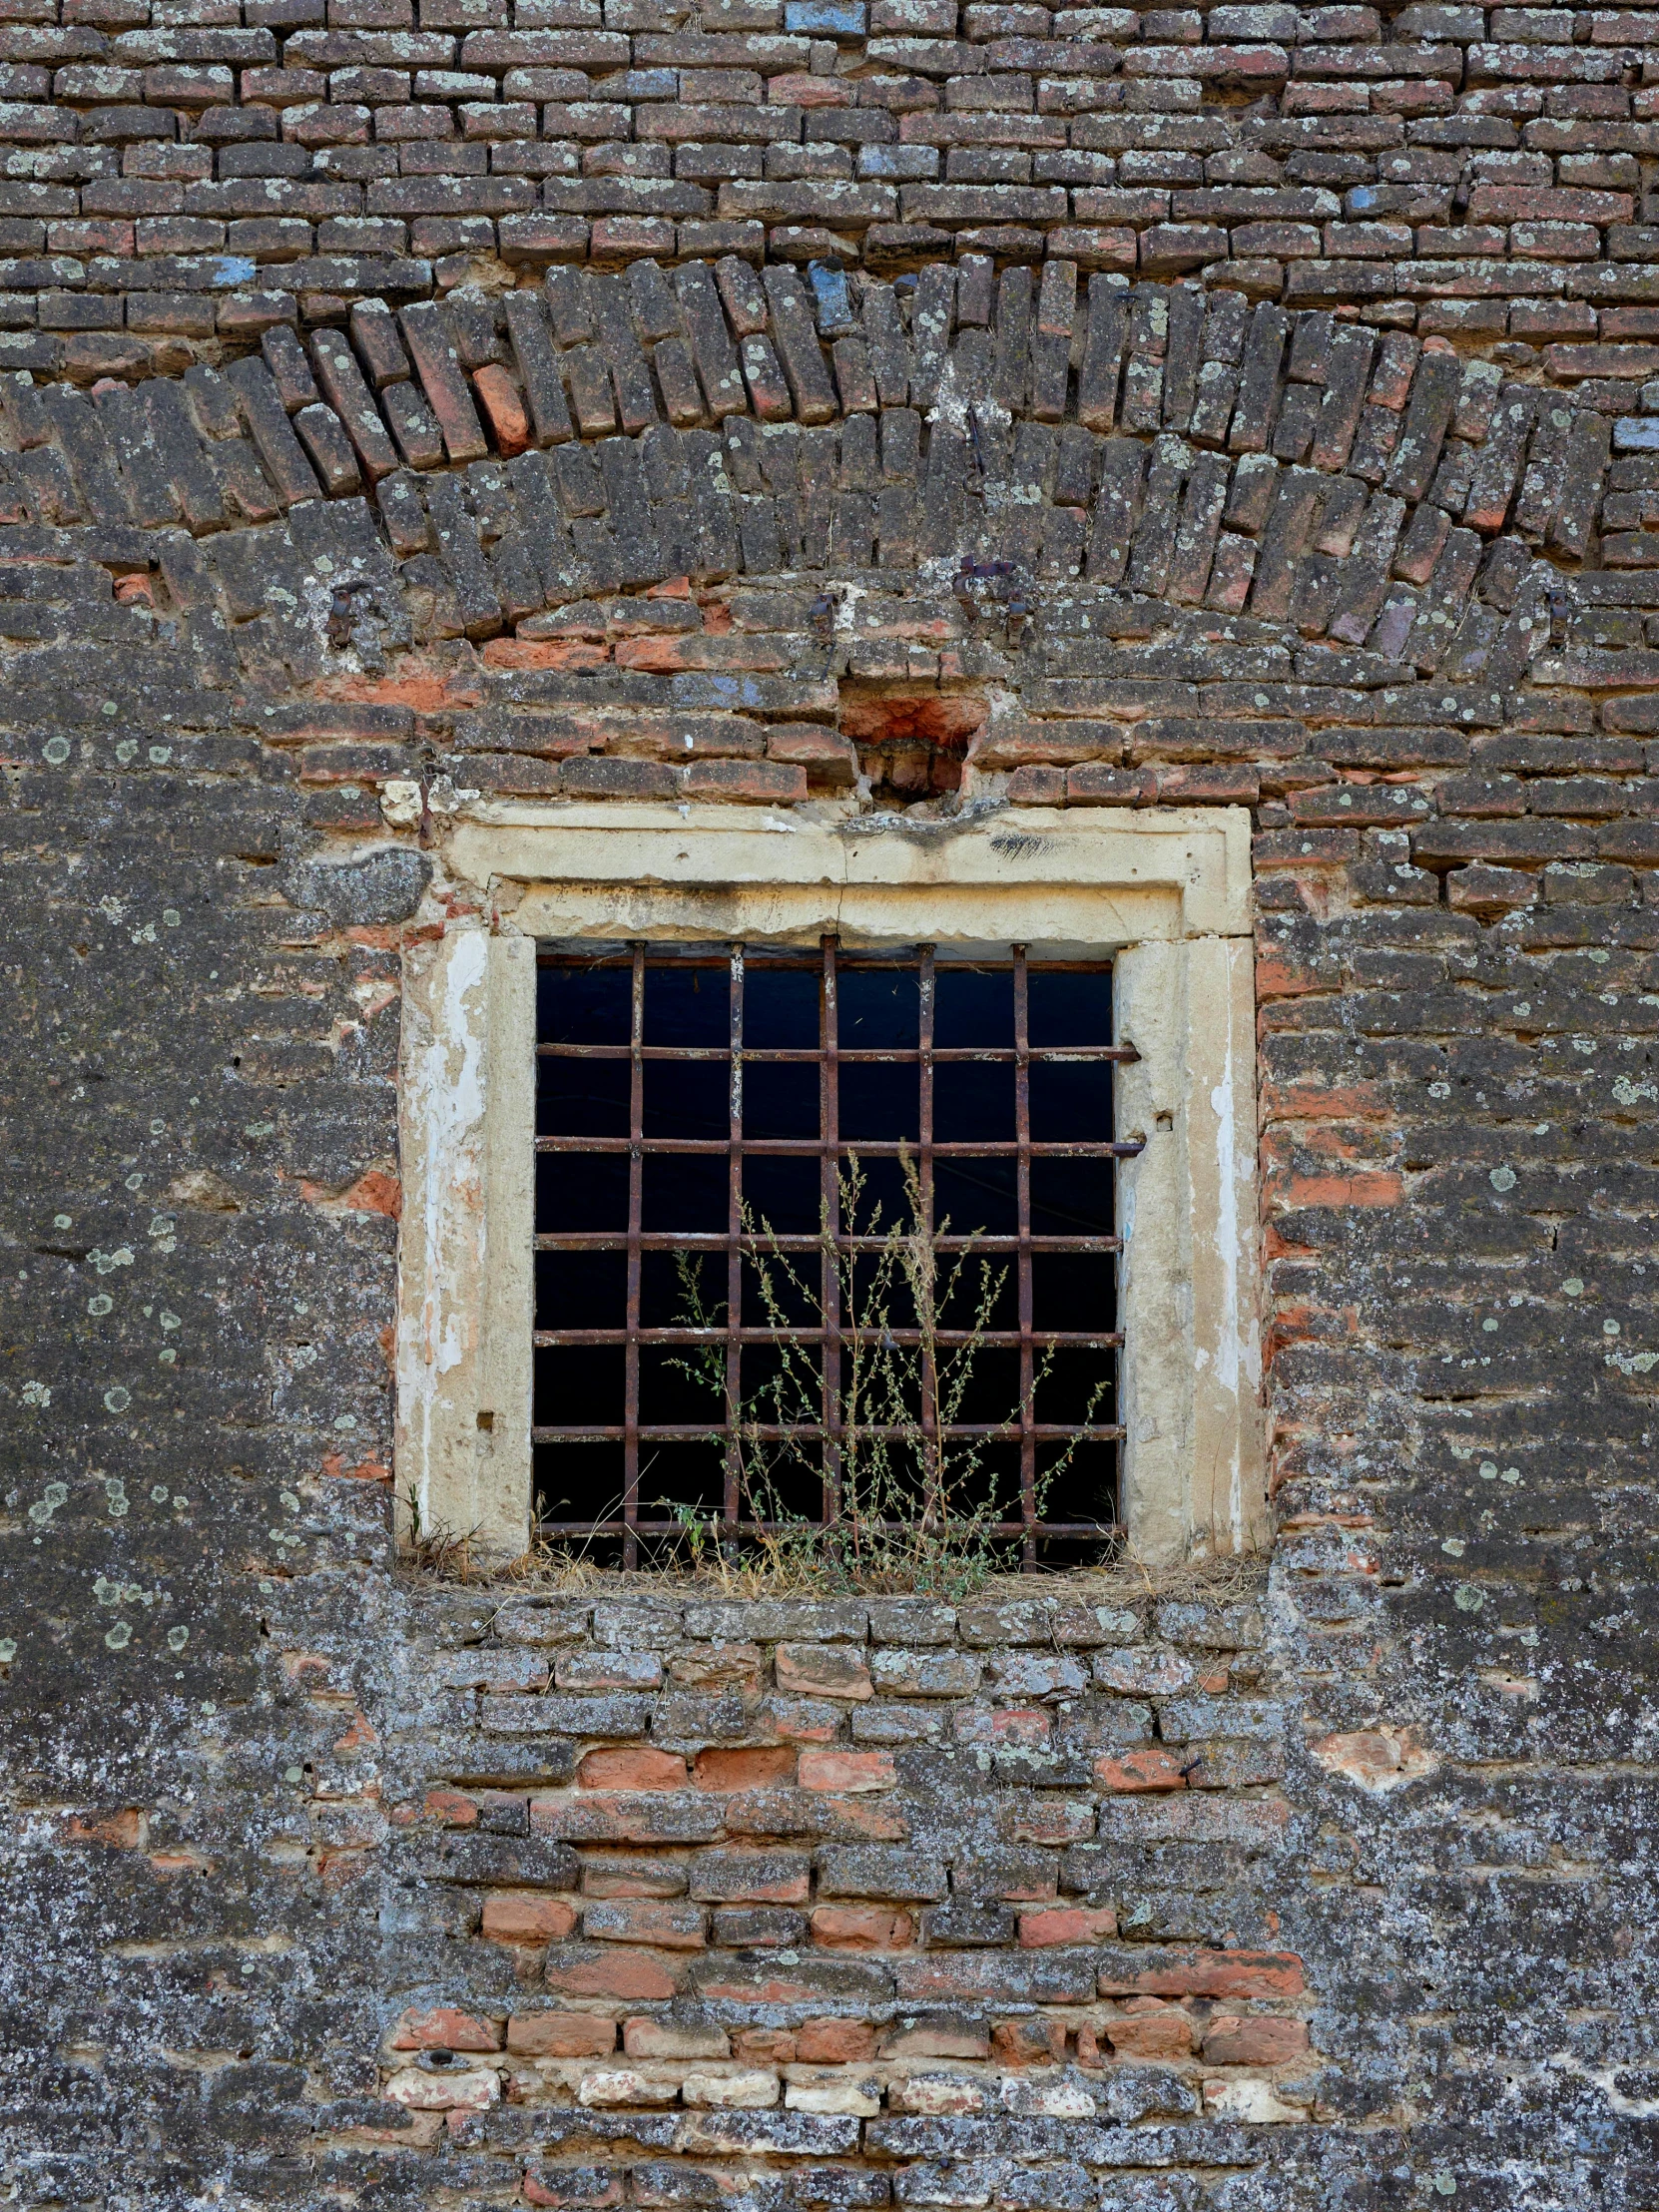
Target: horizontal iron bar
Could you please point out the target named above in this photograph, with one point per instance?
(701, 1432)
(1093, 1529)
(902, 958)
(1105, 1340)
(1123, 1055)
(718, 1239)
(874, 1148)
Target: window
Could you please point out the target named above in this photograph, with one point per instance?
(728, 1140)
(649, 1046)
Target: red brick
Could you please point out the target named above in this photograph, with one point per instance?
(621, 236)
(1151, 1768)
(634, 1975)
(1044, 745)
(97, 235)
(632, 1766)
(796, 88)
(1538, 203)
(444, 384)
(521, 1917)
(626, 1817)
(617, 778)
(1067, 1924)
(565, 653)
(1052, 1821)
(861, 1928)
(1034, 2041)
(1164, 2034)
(1197, 785)
(717, 1667)
(775, 2047)
(751, 1981)
(1379, 1189)
(643, 1878)
(1207, 1973)
(503, 404)
(659, 656)
(444, 2028)
(761, 1768)
(647, 2037)
(946, 2036)
(1602, 361)
(825, 755)
(374, 1193)
(810, 1813)
(1103, 783)
(125, 1829)
(804, 1720)
(848, 1770)
(1002, 1725)
(666, 1922)
(1095, 245)
(560, 2035)
(1259, 2042)
(752, 1877)
(1284, 978)
(770, 783)
(1037, 786)
(835, 2042)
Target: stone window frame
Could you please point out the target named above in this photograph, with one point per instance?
(1164, 893)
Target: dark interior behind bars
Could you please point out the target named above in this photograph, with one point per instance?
(705, 1114)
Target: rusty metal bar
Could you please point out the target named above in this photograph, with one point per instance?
(671, 953)
(1022, 1204)
(926, 1005)
(700, 1431)
(875, 1148)
(732, 1503)
(830, 1199)
(714, 1240)
(636, 1205)
(898, 1054)
(1093, 1531)
(1094, 1340)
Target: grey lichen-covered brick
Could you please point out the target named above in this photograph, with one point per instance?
(403, 419)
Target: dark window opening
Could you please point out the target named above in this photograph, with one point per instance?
(732, 1144)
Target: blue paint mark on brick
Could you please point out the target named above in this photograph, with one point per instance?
(829, 18)
(834, 301)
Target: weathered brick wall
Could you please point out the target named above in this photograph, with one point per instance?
(1243, 405)
(833, 1862)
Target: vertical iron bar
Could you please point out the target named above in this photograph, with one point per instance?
(1116, 1075)
(1022, 1173)
(636, 1180)
(830, 1199)
(733, 1508)
(931, 1468)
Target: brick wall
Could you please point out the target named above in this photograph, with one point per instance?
(893, 1880)
(913, 410)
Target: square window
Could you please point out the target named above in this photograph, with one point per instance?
(658, 1185)
(780, 1184)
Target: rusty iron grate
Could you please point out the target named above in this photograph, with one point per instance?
(678, 1086)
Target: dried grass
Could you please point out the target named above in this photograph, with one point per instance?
(916, 1509)
(546, 1570)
